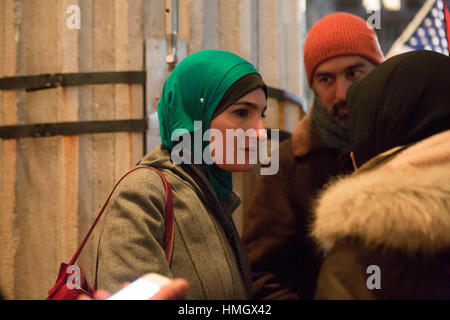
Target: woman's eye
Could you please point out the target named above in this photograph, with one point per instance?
(263, 114)
(241, 113)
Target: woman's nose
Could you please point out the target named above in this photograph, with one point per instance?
(261, 131)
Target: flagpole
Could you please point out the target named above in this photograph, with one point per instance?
(412, 26)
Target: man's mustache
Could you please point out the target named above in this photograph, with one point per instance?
(341, 120)
(337, 106)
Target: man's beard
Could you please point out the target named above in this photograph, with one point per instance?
(332, 127)
(333, 114)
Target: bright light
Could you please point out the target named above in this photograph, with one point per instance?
(303, 6)
(372, 5)
(392, 5)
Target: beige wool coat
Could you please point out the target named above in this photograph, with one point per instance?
(203, 254)
(394, 213)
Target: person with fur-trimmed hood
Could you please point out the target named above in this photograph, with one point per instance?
(386, 228)
(339, 50)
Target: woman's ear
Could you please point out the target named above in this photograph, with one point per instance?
(355, 167)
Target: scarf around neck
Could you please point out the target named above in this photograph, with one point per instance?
(332, 133)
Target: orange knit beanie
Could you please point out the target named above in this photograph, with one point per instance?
(340, 34)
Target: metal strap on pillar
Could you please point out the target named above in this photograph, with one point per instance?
(48, 81)
(282, 95)
(72, 128)
(282, 135)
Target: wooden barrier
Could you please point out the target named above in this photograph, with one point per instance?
(52, 187)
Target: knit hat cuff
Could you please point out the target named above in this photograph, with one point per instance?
(336, 35)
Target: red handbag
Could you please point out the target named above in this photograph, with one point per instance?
(64, 288)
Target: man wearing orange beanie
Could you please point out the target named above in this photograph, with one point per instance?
(339, 49)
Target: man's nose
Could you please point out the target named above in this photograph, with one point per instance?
(342, 86)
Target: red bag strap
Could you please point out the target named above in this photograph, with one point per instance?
(168, 220)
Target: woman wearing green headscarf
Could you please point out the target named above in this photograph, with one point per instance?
(209, 91)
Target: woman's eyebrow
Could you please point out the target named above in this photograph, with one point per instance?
(247, 104)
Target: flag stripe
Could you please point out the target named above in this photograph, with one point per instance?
(447, 22)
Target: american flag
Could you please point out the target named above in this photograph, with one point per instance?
(429, 30)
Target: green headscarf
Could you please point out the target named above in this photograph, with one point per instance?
(191, 93)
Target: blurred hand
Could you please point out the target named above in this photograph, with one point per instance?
(175, 290)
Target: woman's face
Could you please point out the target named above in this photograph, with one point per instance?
(240, 127)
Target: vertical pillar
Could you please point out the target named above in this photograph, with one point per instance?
(111, 40)
(8, 116)
(42, 220)
(51, 188)
(67, 107)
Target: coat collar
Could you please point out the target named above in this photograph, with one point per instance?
(305, 137)
(159, 158)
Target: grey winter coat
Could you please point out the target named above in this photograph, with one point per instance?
(208, 257)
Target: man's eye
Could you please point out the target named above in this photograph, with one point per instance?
(324, 79)
(241, 113)
(354, 73)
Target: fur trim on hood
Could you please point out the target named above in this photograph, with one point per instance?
(403, 204)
